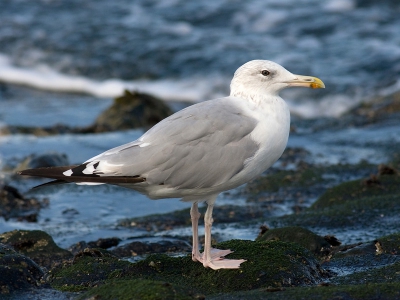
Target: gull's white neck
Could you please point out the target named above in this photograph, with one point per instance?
(254, 96)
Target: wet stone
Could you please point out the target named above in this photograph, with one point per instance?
(37, 245)
(13, 205)
(140, 248)
(301, 236)
(17, 272)
(43, 160)
(131, 110)
(272, 263)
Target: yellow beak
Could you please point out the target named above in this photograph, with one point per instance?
(306, 81)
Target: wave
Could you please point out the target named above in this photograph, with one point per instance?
(188, 90)
(44, 78)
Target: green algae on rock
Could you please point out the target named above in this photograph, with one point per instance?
(354, 204)
(271, 263)
(88, 269)
(14, 205)
(37, 245)
(390, 244)
(376, 186)
(131, 110)
(304, 237)
(17, 272)
(373, 291)
(139, 289)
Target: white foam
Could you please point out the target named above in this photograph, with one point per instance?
(328, 106)
(339, 5)
(44, 78)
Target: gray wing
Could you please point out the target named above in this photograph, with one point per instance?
(199, 147)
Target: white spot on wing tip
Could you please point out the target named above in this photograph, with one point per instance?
(144, 145)
(68, 172)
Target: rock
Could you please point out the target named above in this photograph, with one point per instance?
(298, 235)
(131, 110)
(17, 272)
(381, 108)
(140, 248)
(362, 203)
(180, 218)
(272, 263)
(37, 245)
(382, 291)
(100, 243)
(89, 268)
(14, 205)
(51, 159)
(141, 289)
(390, 244)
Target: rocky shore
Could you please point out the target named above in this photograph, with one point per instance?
(340, 241)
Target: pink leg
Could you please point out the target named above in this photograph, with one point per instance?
(213, 258)
(195, 215)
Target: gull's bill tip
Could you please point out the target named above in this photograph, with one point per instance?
(307, 81)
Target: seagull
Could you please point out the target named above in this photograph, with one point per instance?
(202, 150)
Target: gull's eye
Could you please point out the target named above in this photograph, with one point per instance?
(265, 72)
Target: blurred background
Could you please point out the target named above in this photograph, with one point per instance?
(62, 62)
(188, 51)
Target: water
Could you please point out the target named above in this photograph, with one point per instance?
(184, 50)
(61, 62)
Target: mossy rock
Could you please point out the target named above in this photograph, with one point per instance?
(381, 186)
(37, 245)
(138, 289)
(88, 269)
(390, 244)
(272, 263)
(17, 272)
(373, 291)
(283, 178)
(385, 274)
(378, 109)
(354, 204)
(298, 235)
(131, 110)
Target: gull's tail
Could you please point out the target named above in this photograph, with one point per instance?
(57, 173)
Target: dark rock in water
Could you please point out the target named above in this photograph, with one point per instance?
(89, 268)
(105, 243)
(298, 235)
(382, 108)
(14, 205)
(100, 243)
(272, 263)
(17, 272)
(142, 289)
(132, 110)
(37, 245)
(180, 218)
(43, 160)
(390, 244)
(139, 248)
(380, 291)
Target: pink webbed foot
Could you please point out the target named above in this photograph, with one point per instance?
(223, 263)
(217, 260)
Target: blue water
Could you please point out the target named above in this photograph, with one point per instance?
(177, 45)
(63, 61)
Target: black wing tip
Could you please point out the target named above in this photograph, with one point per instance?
(54, 182)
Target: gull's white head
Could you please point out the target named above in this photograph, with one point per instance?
(264, 77)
